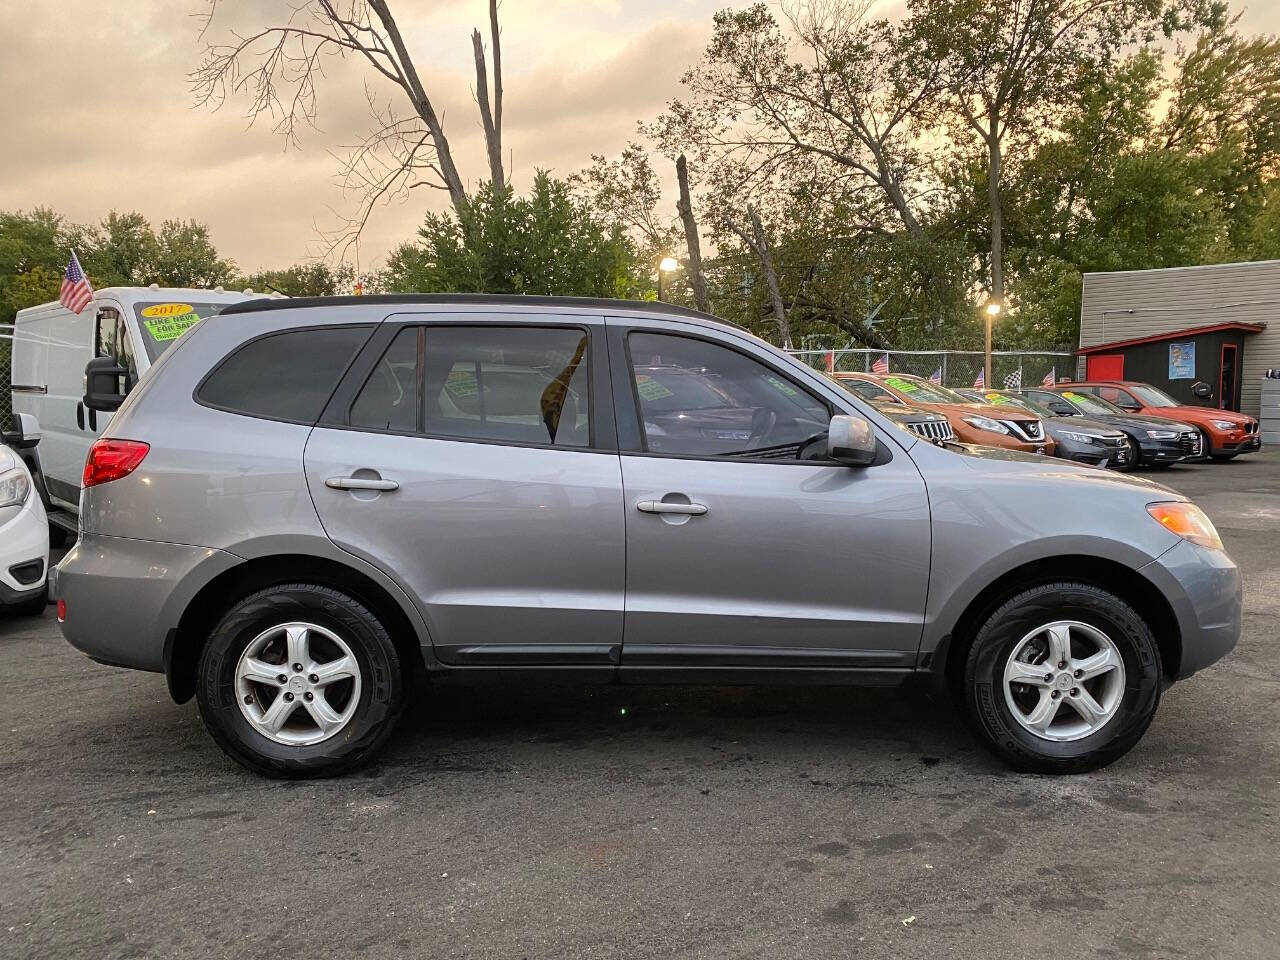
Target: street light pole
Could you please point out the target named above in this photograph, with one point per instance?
(991, 312)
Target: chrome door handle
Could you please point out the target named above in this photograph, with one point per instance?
(660, 506)
(359, 483)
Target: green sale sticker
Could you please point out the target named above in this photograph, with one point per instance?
(163, 329)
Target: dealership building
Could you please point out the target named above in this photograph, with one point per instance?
(1216, 325)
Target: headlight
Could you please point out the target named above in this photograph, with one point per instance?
(986, 423)
(1077, 437)
(14, 487)
(1163, 434)
(1225, 424)
(1188, 521)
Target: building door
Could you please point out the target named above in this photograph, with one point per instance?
(1106, 366)
(1228, 378)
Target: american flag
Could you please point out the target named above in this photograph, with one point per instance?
(1050, 378)
(980, 381)
(1013, 381)
(76, 291)
(881, 365)
(831, 361)
(936, 377)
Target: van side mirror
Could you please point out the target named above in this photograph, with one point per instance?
(104, 384)
(851, 441)
(25, 433)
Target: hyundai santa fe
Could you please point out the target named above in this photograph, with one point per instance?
(309, 508)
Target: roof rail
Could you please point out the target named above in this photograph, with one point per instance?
(496, 299)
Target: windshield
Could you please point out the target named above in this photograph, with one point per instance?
(163, 322)
(1004, 400)
(1026, 403)
(1151, 397)
(922, 391)
(1090, 404)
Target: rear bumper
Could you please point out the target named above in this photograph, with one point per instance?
(1204, 588)
(123, 596)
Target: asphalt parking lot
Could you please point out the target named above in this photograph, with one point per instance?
(626, 822)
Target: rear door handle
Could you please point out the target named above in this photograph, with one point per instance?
(360, 483)
(661, 506)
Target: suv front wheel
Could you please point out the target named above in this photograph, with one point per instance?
(1063, 678)
(300, 680)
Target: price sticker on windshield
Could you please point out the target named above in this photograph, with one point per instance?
(906, 386)
(169, 321)
(651, 389)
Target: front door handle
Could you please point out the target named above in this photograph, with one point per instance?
(360, 483)
(661, 506)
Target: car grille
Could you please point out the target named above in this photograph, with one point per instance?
(937, 430)
(1191, 443)
(1251, 426)
(1030, 430)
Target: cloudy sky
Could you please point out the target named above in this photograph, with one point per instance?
(97, 113)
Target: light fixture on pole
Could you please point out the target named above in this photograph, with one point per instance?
(665, 265)
(991, 311)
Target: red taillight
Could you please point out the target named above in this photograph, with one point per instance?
(112, 459)
(62, 610)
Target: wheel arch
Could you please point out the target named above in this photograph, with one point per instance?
(184, 642)
(1124, 581)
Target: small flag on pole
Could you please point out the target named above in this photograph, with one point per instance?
(76, 292)
(1013, 381)
(980, 381)
(1050, 378)
(936, 377)
(881, 365)
(831, 361)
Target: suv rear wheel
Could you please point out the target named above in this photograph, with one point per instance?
(1063, 678)
(300, 681)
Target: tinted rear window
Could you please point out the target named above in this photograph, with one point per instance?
(284, 376)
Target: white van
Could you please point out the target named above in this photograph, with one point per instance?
(120, 334)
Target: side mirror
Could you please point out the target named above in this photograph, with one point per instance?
(104, 384)
(25, 433)
(1124, 403)
(1202, 390)
(851, 441)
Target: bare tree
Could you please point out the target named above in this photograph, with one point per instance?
(277, 67)
(758, 243)
(696, 277)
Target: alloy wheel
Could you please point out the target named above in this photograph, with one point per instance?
(298, 683)
(1064, 681)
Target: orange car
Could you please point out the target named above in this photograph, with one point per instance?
(972, 422)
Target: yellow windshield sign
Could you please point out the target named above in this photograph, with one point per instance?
(167, 310)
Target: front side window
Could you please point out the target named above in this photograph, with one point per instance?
(1121, 398)
(283, 376)
(868, 390)
(700, 399)
(113, 342)
(508, 384)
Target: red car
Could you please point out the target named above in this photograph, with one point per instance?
(1227, 434)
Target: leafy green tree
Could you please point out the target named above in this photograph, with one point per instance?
(303, 280)
(548, 242)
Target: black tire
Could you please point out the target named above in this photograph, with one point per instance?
(381, 698)
(982, 693)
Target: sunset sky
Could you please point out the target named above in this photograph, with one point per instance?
(97, 111)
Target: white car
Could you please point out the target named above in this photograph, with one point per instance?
(24, 528)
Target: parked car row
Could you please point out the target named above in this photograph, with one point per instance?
(1116, 425)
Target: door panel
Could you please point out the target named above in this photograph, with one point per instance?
(458, 457)
(512, 554)
(773, 556)
(791, 564)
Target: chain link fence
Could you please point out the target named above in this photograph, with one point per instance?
(951, 368)
(6, 395)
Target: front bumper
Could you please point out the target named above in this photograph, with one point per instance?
(123, 596)
(1168, 451)
(24, 543)
(1236, 444)
(1118, 454)
(1204, 588)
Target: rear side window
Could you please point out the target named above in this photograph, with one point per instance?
(283, 376)
(508, 384)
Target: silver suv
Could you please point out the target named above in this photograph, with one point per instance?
(307, 503)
